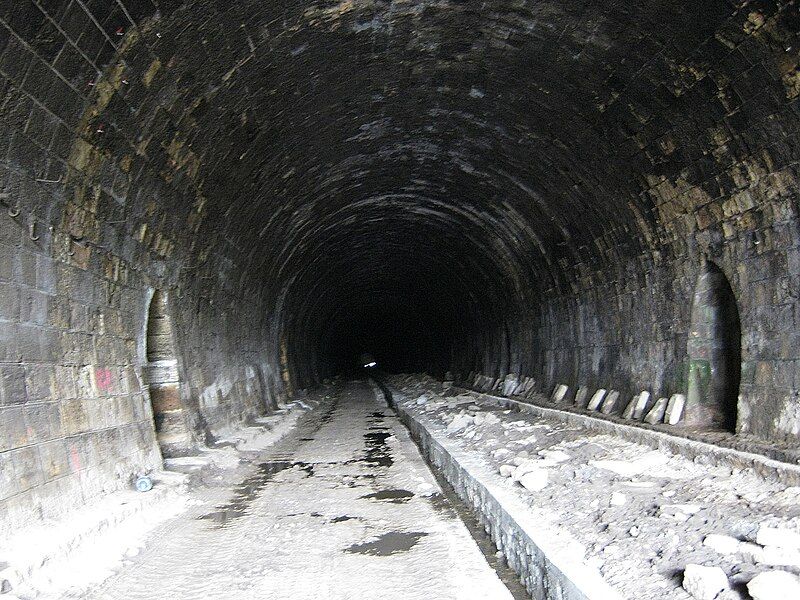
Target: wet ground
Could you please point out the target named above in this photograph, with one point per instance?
(343, 508)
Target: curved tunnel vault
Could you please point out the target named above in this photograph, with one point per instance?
(512, 187)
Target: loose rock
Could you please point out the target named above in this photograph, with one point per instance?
(704, 583)
(778, 536)
(534, 480)
(774, 585)
(724, 544)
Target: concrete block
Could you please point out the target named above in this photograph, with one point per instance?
(656, 414)
(580, 396)
(641, 406)
(610, 403)
(597, 399)
(510, 384)
(628, 412)
(674, 410)
(559, 393)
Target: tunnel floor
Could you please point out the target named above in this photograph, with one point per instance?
(344, 507)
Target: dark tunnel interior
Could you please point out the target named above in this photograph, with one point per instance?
(507, 189)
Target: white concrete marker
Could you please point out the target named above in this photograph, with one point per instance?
(610, 402)
(674, 410)
(628, 412)
(656, 414)
(597, 399)
(580, 396)
(641, 405)
(559, 392)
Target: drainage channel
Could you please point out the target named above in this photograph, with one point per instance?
(450, 504)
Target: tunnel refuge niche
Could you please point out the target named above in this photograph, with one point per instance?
(161, 375)
(714, 352)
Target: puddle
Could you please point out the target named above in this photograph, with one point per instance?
(245, 492)
(393, 496)
(378, 453)
(387, 544)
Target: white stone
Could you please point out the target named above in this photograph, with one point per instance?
(628, 412)
(704, 583)
(778, 536)
(750, 551)
(580, 396)
(779, 557)
(491, 419)
(501, 453)
(597, 399)
(656, 414)
(674, 410)
(534, 480)
(618, 499)
(558, 456)
(723, 544)
(422, 400)
(459, 422)
(524, 467)
(559, 392)
(678, 512)
(648, 461)
(641, 405)
(610, 403)
(507, 470)
(510, 384)
(774, 585)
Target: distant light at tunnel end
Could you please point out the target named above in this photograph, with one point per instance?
(370, 365)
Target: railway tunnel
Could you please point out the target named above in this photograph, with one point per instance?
(211, 209)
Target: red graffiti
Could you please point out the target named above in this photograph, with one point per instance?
(104, 379)
(74, 459)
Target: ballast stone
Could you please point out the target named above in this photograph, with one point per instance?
(774, 585)
(723, 544)
(534, 480)
(704, 583)
(459, 423)
(778, 536)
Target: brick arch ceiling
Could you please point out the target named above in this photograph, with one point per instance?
(443, 164)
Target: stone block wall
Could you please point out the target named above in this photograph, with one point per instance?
(90, 224)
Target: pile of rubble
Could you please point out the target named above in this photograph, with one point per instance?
(641, 515)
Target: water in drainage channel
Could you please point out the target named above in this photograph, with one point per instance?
(449, 503)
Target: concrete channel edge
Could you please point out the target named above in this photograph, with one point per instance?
(545, 563)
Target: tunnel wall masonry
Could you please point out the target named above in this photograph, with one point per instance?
(84, 237)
